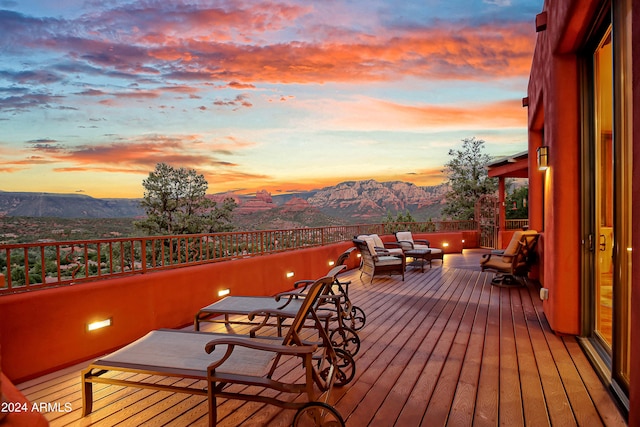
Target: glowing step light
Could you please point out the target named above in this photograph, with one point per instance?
(99, 324)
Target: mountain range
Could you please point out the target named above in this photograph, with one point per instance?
(351, 201)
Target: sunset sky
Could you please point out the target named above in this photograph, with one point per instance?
(282, 95)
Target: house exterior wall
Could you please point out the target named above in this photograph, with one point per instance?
(554, 115)
(553, 112)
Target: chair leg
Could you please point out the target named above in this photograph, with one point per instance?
(213, 413)
(87, 394)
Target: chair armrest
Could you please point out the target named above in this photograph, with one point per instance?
(405, 244)
(289, 296)
(392, 245)
(422, 242)
(303, 283)
(382, 251)
(256, 345)
(486, 257)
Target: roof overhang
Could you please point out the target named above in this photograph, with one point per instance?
(515, 166)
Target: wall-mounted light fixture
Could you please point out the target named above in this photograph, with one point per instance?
(331, 263)
(224, 292)
(543, 158)
(99, 324)
(541, 21)
(290, 274)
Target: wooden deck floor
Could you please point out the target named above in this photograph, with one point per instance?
(444, 347)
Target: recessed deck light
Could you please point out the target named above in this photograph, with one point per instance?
(99, 324)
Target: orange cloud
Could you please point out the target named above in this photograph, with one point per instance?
(375, 114)
(443, 53)
(142, 153)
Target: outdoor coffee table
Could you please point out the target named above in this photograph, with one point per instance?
(419, 256)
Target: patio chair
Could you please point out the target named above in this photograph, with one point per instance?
(393, 248)
(220, 360)
(348, 312)
(329, 308)
(516, 260)
(408, 243)
(375, 261)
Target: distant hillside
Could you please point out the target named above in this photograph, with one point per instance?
(348, 202)
(295, 213)
(370, 200)
(51, 205)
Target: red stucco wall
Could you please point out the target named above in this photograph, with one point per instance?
(45, 330)
(554, 108)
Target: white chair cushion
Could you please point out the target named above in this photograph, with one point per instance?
(388, 260)
(378, 243)
(370, 244)
(377, 240)
(404, 235)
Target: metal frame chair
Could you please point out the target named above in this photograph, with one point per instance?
(224, 359)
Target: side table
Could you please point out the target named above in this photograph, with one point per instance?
(419, 256)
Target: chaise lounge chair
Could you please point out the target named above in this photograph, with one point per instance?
(329, 307)
(218, 360)
(515, 261)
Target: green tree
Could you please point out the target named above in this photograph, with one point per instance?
(175, 203)
(398, 223)
(516, 203)
(467, 179)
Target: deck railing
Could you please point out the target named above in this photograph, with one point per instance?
(33, 266)
(516, 224)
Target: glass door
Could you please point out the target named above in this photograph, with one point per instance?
(603, 197)
(607, 178)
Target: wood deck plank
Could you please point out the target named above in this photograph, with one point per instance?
(444, 347)
(438, 411)
(433, 353)
(486, 410)
(533, 403)
(420, 345)
(463, 405)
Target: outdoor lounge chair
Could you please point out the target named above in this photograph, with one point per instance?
(352, 314)
(392, 248)
(408, 243)
(329, 307)
(515, 261)
(218, 360)
(375, 261)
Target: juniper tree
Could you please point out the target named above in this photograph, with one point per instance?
(175, 203)
(467, 179)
